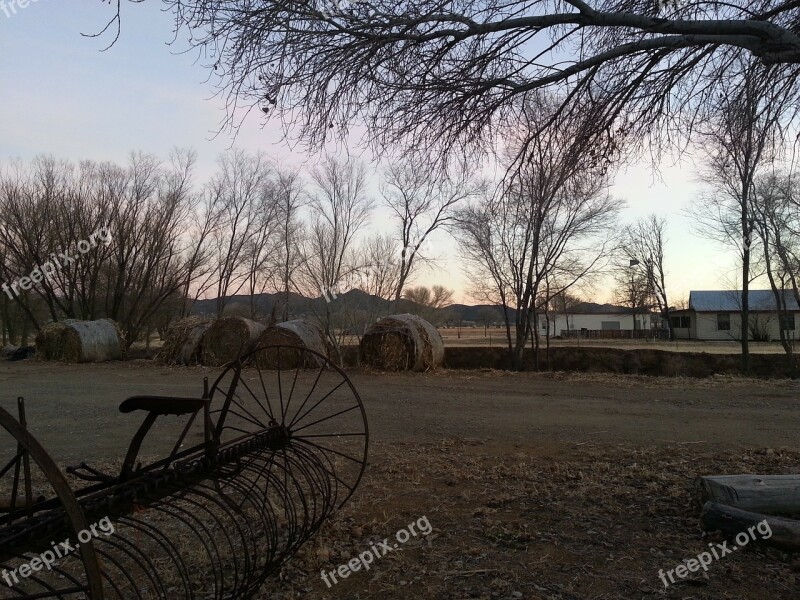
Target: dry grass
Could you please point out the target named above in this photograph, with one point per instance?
(299, 334)
(81, 341)
(599, 523)
(591, 522)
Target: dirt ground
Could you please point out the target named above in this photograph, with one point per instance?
(536, 486)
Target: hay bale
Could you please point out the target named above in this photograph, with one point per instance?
(402, 343)
(183, 341)
(228, 338)
(299, 333)
(48, 341)
(80, 341)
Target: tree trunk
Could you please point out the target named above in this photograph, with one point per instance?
(669, 325)
(785, 533)
(771, 494)
(745, 333)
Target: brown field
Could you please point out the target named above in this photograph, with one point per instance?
(556, 486)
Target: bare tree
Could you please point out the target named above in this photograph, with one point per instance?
(565, 303)
(741, 137)
(551, 222)
(288, 255)
(238, 190)
(421, 202)
(776, 217)
(339, 208)
(430, 300)
(53, 210)
(645, 243)
(200, 269)
(633, 289)
(436, 296)
(264, 243)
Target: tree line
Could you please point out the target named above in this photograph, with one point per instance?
(254, 227)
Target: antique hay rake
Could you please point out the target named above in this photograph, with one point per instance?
(269, 451)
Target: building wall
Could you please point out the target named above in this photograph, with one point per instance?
(705, 326)
(684, 333)
(593, 321)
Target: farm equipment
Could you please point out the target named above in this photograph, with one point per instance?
(269, 451)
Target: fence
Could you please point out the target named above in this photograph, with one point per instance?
(616, 334)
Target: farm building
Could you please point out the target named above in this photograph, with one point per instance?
(596, 320)
(716, 316)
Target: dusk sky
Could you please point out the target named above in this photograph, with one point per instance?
(63, 96)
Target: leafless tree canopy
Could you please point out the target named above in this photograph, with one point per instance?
(421, 202)
(442, 75)
(50, 206)
(643, 280)
(547, 228)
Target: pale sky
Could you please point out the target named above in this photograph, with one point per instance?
(62, 96)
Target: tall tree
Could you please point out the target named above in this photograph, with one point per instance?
(741, 135)
(420, 202)
(776, 218)
(239, 189)
(553, 221)
(644, 243)
(633, 288)
(288, 254)
(339, 208)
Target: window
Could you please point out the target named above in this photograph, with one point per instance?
(787, 322)
(723, 322)
(609, 325)
(680, 322)
(544, 325)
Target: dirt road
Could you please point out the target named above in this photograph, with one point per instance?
(73, 409)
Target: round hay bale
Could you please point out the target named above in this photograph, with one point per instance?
(81, 341)
(183, 341)
(299, 333)
(402, 343)
(48, 341)
(228, 338)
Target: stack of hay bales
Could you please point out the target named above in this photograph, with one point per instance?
(228, 338)
(183, 341)
(81, 341)
(299, 333)
(402, 343)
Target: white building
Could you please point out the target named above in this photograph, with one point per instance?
(716, 316)
(588, 324)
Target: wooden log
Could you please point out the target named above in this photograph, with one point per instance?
(781, 533)
(770, 494)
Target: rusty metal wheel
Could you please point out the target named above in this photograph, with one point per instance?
(39, 508)
(310, 399)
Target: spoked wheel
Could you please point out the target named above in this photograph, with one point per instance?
(315, 406)
(38, 506)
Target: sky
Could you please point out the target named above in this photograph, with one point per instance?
(60, 94)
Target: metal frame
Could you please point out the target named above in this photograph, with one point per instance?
(265, 491)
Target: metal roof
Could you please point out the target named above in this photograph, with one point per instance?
(731, 300)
